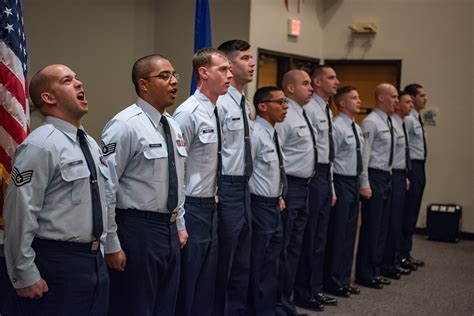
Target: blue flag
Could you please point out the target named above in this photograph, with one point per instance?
(202, 31)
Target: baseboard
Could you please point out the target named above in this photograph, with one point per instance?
(462, 235)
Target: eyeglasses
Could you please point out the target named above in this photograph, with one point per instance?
(166, 76)
(280, 101)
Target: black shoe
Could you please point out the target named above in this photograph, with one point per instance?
(391, 274)
(383, 281)
(325, 300)
(403, 271)
(374, 284)
(418, 263)
(352, 290)
(311, 304)
(406, 264)
(341, 292)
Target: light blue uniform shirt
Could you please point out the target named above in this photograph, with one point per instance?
(265, 179)
(49, 196)
(400, 143)
(345, 145)
(196, 118)
(134, 144)
(316, 110)
(296, 142)
(415, 135)
(376, 151)
(232, 122)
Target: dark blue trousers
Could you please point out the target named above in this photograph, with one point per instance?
(77, 279)
(234, 235)
(149, 284)
(412, 207)
(342, 233)
(392, 245)
(267, 237)
(309, 278)
(198, 259)
(5, 284)
(294, 219)
(374, 228)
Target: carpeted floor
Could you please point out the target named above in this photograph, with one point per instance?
(444, 286)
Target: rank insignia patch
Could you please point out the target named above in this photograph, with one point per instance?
(21, 178)
(108, 149)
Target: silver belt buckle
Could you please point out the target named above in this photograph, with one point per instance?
(94, 245)
(173, 217)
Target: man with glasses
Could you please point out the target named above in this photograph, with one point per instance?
(145, 150)
(233, 209)
(267, 186)
(199, 121)
(298, 142)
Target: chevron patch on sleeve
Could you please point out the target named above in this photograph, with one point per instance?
(21, 178)
(108, 149)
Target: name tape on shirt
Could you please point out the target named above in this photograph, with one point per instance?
(108, 149)
(155, 145)
(21, 178)
(206, 131)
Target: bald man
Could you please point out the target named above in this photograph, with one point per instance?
(298, 142)
(55, 211)
(377, 157)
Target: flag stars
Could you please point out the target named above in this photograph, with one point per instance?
(9, 27)
(8, 11)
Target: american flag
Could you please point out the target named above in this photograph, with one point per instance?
(14, 111)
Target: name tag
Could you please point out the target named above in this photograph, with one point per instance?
(270, 151)
(385, 131)
(236, 119)
(75, 163)
(350, 136)
(207, 131)
(155, 145)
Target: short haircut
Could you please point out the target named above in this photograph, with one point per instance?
(143, 67)
(342, 92)
(233, 47)
(262, 94)
(402, 93)
(412, 89)
(318, 70)
(38, 84)
(203, 58)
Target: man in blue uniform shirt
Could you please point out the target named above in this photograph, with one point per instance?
(55, 210)
(233, 209)
(416, 175)
(145, 151)
(199, 121)
(348, 143)
(377, 157)
(267, 186)
(298, 142)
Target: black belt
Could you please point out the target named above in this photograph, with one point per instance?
(323, 166)
(264, 199)
(420, 161)
(343, 176)
(379, 171)
(92, 247)
(298, 179)
(200, 200)
(152, 216)
(399, 171)
(233, 179)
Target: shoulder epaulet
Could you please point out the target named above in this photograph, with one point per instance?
(128, 113)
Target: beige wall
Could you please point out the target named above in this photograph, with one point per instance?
(100, 39)
(434, 40)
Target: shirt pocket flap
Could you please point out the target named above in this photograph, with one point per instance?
(418, 130)
(350, 139)
(303, 130)
(234, 123)
(270, 156)
(155, 151)
(208, 135)
(385, 134)
(74, 170)
(323, 125)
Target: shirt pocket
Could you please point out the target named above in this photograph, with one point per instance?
(208, 138)
(384, 134)
(76, 174)
(322, 125)
(157, 155)
(418, 130)
(303, 131)
(270, 158)
(401, 140)
(234, 127)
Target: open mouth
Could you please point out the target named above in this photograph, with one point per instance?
(173, 92)
(81, 96)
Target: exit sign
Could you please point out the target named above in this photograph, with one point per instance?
(294, 27)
